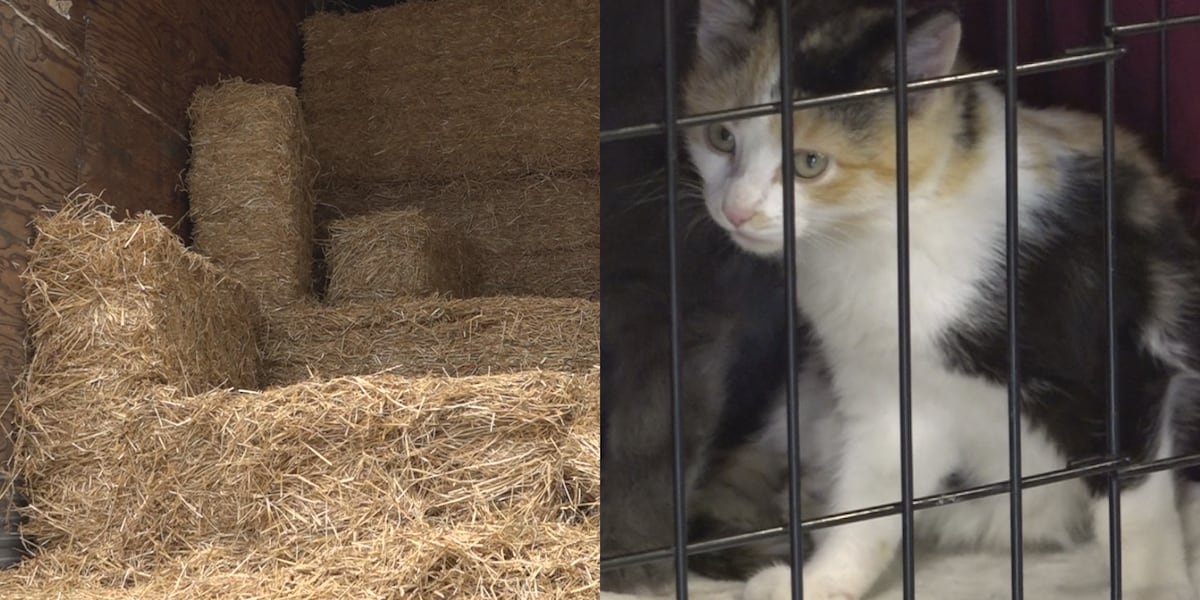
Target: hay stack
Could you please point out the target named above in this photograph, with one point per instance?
(406, 252)
(429, 91)
(250, 185)
(372, 487)
(535, 236)
(419, 336)
(115, 305)
(509, 561)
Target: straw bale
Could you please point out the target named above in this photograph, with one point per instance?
(250, 183)
(428, 91)
(114, 304)
(385, 486)
(505, 561)
(405, 252)
(421, 336)
(535, 236)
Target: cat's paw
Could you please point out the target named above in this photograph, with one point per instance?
(775, 583)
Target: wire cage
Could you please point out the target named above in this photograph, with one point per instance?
(1113, 38)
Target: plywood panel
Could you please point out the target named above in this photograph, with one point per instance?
(39, 137)
(129, 153)
(158, 51)
(60, 22)
(256, 40)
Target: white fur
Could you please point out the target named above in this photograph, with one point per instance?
(1152, 537)
(1060, 575)
(699, 587)
(849, 290)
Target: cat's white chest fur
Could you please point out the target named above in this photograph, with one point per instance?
(960, 424)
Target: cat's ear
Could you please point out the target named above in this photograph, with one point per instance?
(723, 24)
(933, 40)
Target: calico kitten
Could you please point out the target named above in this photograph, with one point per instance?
(845, 227)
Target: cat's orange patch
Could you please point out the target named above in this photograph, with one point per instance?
(867, 160)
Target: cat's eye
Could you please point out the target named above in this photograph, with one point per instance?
(721, 138)
(810, 164)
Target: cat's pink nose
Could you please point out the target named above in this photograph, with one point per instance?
(737, 215)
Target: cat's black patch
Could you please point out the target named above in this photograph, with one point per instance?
(1062, 324)
(1186, 266)
(760, 363)
(848, 61)
(839, 50)
(955, 481)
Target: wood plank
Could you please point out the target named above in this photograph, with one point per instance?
(39, 136)
(259, 41)
(129, 154)
(61, 22)
(158, 51)
(137, 47)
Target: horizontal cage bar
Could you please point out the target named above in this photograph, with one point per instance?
(1133, 29)
(1032, 68)
(1124, 468)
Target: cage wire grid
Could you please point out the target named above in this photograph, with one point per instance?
(1114, 467)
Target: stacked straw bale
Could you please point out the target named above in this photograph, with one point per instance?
(143, 483)
(404, 253)
(250, 183)
(114, 305)
(481, 115)
(532, 236)
(470, 468)
(426, 91)
(502, 561)
(384, 486)
(431, 335)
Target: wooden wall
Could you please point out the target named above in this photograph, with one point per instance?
(94, 93)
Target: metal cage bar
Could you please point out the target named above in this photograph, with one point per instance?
(1164, 104)
(1114, 467)
(1163, 23)
(787, 174)
(1114, 431)
(902, 301)
(1032, 68)
(1013, 246)
(672, 176)
(1123, 467)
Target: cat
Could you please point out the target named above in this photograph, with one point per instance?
(845, 231)
(733, 339)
